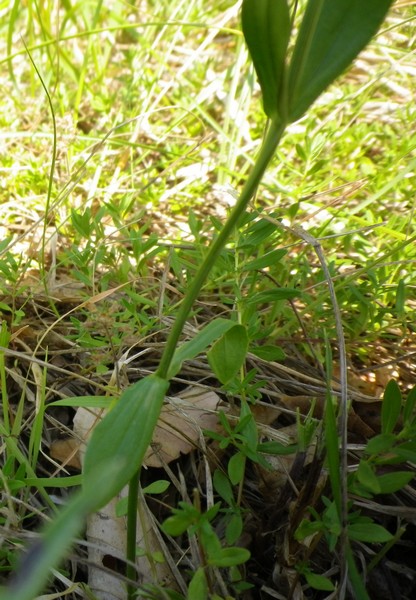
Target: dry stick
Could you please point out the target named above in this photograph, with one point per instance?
(53, 162)
(343, 413)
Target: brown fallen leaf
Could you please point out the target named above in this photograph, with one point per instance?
(180, 424)
(66, 452)
(106, 534)
(178, 430)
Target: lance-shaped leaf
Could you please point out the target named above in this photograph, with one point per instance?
(123, 436)
(391, 407)
(228, 354)
(331, 35)
(199, 343)
(266, 28)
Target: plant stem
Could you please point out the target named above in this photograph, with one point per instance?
(357, 583)
(131, 572)
(266, 154)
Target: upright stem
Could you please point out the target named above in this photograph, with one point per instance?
(267, 151)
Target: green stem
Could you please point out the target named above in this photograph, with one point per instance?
(131, 533)
(266, 154)
(355, 579)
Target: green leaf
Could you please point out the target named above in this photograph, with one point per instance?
(368, 532)
(212, 512)
(392, 482)
(234, 528)
(258, 232)
(198, 586)
(331, 35)
(53, 482)
(331, 518)
(236, 468)
(229, 557)
(268, 352)
(157, 487)
(276, 448)
(229, 353)
(357, 584)
(391, 407)
(273, 295)
(82, 222)
(307, 528)
(223, 487)
(199, 343)
(209, 539)
(267, 260)
(367, 477)
(409, 407)
(406, 451)
(122, 507)
(124, 435)
(177, 524)
(380, 443)
(247, 426)
(401, 298)
(266, 28)
(319, 582)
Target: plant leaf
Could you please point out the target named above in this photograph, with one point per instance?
(236, 468)
(406, 451)
(123, 436)
(391, 407)
(234, 528)
(266, 27)
(157, 487)
(277, 448)
(198, 586)
(392, 482)
(177, 524)
(269, 352)
(267, 260)
(229, 557)
(367, 477)
(273, 295)
(199, 343)
(319, 582)
(380, 443)
(368, 532)
(331, 35)
(223, 487)
(409, 407)
(228, 354)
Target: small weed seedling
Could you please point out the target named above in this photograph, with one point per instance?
(394, 445)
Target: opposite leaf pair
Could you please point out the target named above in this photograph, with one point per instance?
(331, 34)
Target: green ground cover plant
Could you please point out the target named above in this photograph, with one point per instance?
(94, 265)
